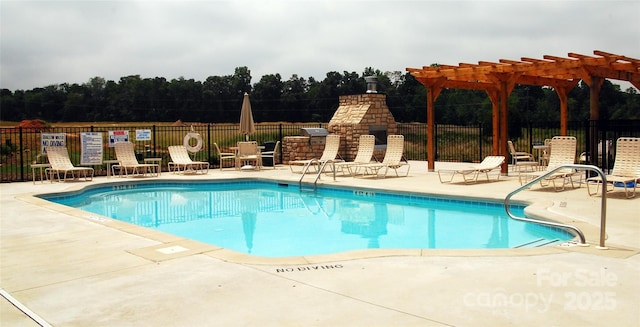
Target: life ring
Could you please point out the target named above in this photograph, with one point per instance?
(187, 144)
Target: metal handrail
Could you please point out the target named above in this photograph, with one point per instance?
(304, 172)
(320, 170)
(603, 205)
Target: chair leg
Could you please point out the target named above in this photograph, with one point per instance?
(598, 183)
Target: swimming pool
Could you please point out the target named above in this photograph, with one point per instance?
(278, 220)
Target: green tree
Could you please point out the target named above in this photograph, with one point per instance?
(266, 97)
(325, 96)
(242, 81)
(217, 95)
(294, 99)
(414, 96)
(630, 108)
(187, 99)
(10, 105)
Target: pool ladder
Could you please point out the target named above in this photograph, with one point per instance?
(322, 165)
(603, 205)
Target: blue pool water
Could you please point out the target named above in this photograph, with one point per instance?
(277, 220)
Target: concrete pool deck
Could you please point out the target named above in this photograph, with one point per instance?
(73, 269)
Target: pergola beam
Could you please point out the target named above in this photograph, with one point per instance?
(499, 78)
(550, 67)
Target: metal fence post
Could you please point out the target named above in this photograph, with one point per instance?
(21, 156)
(435, 142)
(153, 128)
(209, 143)
(530, 132)
(480, 133)
(281, 138)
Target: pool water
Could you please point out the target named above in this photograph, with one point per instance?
(278, 220)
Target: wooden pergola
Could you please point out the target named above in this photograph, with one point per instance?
(499, 78)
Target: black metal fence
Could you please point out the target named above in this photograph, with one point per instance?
(20, 147)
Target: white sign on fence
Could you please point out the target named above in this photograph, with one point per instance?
(91, 143)
(143, 135)
(52, 139)
(118, 136)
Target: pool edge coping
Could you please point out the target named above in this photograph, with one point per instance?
(540, 209)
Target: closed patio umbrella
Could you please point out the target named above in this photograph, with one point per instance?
(247, 126)
(249, 216)
(249, 227)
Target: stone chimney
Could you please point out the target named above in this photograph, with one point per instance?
(372, 84)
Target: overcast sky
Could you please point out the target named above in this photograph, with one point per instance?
(53, 42)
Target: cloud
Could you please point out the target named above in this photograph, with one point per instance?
(52, 42)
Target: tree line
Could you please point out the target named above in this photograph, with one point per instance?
(218, 99)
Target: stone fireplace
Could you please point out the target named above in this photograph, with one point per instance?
(359, 114)
(362, 114)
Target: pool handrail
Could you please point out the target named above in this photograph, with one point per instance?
(322, 165)
(603, 205)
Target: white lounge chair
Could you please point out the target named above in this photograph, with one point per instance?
(392, 159)
(60, 162)
(487, 165)
(626, 168)
(248, 153)
(272, 154)
(127, 161)
(563, 152)
(181, 162)
(224, 156)
(366, 146)
(329, 154)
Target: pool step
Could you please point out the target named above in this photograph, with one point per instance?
(308, 188)
(537, 243)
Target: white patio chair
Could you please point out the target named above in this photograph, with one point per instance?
(392, 159)
(272, 154)
(229, 156)
(128, 163)
(521, 159)
(181, 162)
(60, 162)
(626, 168)
(248, 153)
(366, 146)
(329, 154)
(563, 152)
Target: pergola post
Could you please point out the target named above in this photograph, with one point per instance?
(595, 83)
(431, 122)
(504, 128)
(504, 83)
(495, 115)
(562, 90)
(434, 87)
(562, 94)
